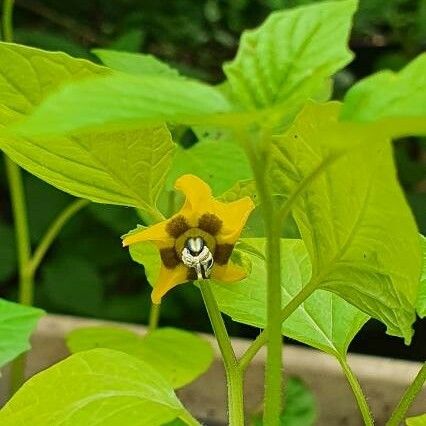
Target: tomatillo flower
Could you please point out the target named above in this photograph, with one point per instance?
(197, 242)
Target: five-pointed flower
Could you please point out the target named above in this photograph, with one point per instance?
(196, 242)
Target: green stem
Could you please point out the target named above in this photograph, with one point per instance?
(154, 316)
(233, 373)
(356, 389)
(408, 398)
(273, 369)
(272, 222)
(19, 209)
(7, 23)
(262, 338)
(53, 231)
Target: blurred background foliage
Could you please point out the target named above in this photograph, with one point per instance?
(87, 272)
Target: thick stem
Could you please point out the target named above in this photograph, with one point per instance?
(273, 369)
(53, 231)
(408, 398)
(233, 373)
(357, 391)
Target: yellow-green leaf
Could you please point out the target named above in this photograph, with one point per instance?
(396, 101)
(416, 421)
(127, 168)
(421, 301)
(289, 57)
(16, 325)
(100, 386)
(325, 321)
(178, 355)
(351, 212)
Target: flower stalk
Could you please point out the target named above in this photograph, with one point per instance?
(234, 375)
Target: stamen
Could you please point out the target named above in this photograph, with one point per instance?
(197, 255)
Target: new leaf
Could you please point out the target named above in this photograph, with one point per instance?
(289, 57)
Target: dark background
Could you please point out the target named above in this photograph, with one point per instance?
(87, 272)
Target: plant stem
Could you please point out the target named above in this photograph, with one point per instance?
(154, 316)
(262, 338)
(273, 373)
(21, 229)
(19, 210)
(272, 222)
(7, 20)
(408, 398)
(233, 373)
(53, 231)
(357, 390)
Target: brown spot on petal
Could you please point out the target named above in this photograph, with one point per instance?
(177, 226)
(169, 257)
(223, 253)
(210, 223)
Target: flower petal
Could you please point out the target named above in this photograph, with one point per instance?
(198, 197)
(234, 216)
(167, 279)
(228, 273)
(156, 233)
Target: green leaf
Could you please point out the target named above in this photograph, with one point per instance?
(421, 301)
(288, 58)
(299, 406)
(396, 100)
(324, 321)
(129, 41)
(180, 356)
(127, 168)
(146, 254)
(98, 386)
(17, 322)
(416, 421)
(124, 101)
(351, 213)
(220, 164)
(28, 75)
(243, 188)
(134, 63)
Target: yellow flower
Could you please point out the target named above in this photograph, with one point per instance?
(196, 242)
